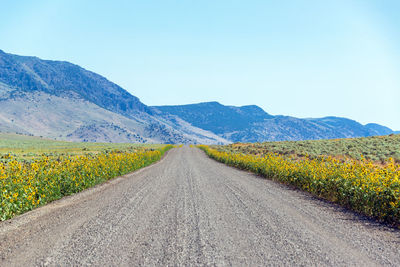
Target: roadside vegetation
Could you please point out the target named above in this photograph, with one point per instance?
(377, 148)
(326, 170)
(56, 169)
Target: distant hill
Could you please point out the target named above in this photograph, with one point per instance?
(376, 129)
(253, 124)
(60, 100)
(217, 118)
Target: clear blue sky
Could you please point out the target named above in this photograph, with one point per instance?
(298, 58)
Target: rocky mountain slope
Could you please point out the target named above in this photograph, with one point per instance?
(64, 101)
(252, 124)
(60, 100)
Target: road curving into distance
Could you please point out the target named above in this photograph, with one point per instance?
(190, 210)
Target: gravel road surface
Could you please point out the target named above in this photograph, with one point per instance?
(190, 210)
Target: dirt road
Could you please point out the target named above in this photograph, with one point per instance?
(190, 210)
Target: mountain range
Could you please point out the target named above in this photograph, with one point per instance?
(60, 100)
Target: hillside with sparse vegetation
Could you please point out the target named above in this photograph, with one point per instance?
(375, 148)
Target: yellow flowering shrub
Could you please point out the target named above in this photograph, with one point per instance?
(367, 188)
(25, 186)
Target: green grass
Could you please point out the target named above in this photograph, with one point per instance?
(27, 148)
(378, 148)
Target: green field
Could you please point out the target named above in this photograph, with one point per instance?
(378, 148)
(22, 147)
